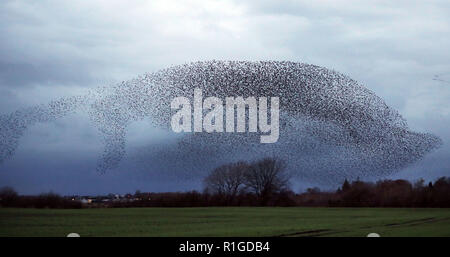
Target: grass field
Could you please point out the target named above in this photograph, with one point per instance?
(225, 222)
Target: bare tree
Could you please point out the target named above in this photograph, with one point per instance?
(266, 177)
(227, 179)
(8, 196)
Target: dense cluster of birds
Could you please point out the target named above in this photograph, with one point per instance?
(331, 127)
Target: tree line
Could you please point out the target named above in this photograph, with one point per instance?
(260, 183)
(10, 198)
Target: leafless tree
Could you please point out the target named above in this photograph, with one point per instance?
(8, 196)
(227, 179)
(266, 177)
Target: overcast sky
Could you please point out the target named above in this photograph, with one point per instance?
(50, 49)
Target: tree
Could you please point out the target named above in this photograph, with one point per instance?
(8, 196)
(314, 190)
(226, 180)
(137, 194)
(266, 177)
(345, 186)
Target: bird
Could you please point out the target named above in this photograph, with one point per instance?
(330, 124)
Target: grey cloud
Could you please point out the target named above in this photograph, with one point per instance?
(29, 74)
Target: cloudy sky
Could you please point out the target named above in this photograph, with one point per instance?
(49, 49)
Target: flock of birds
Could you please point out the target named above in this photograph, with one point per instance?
(331, 127)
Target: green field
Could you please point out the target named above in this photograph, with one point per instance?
(270, 221)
